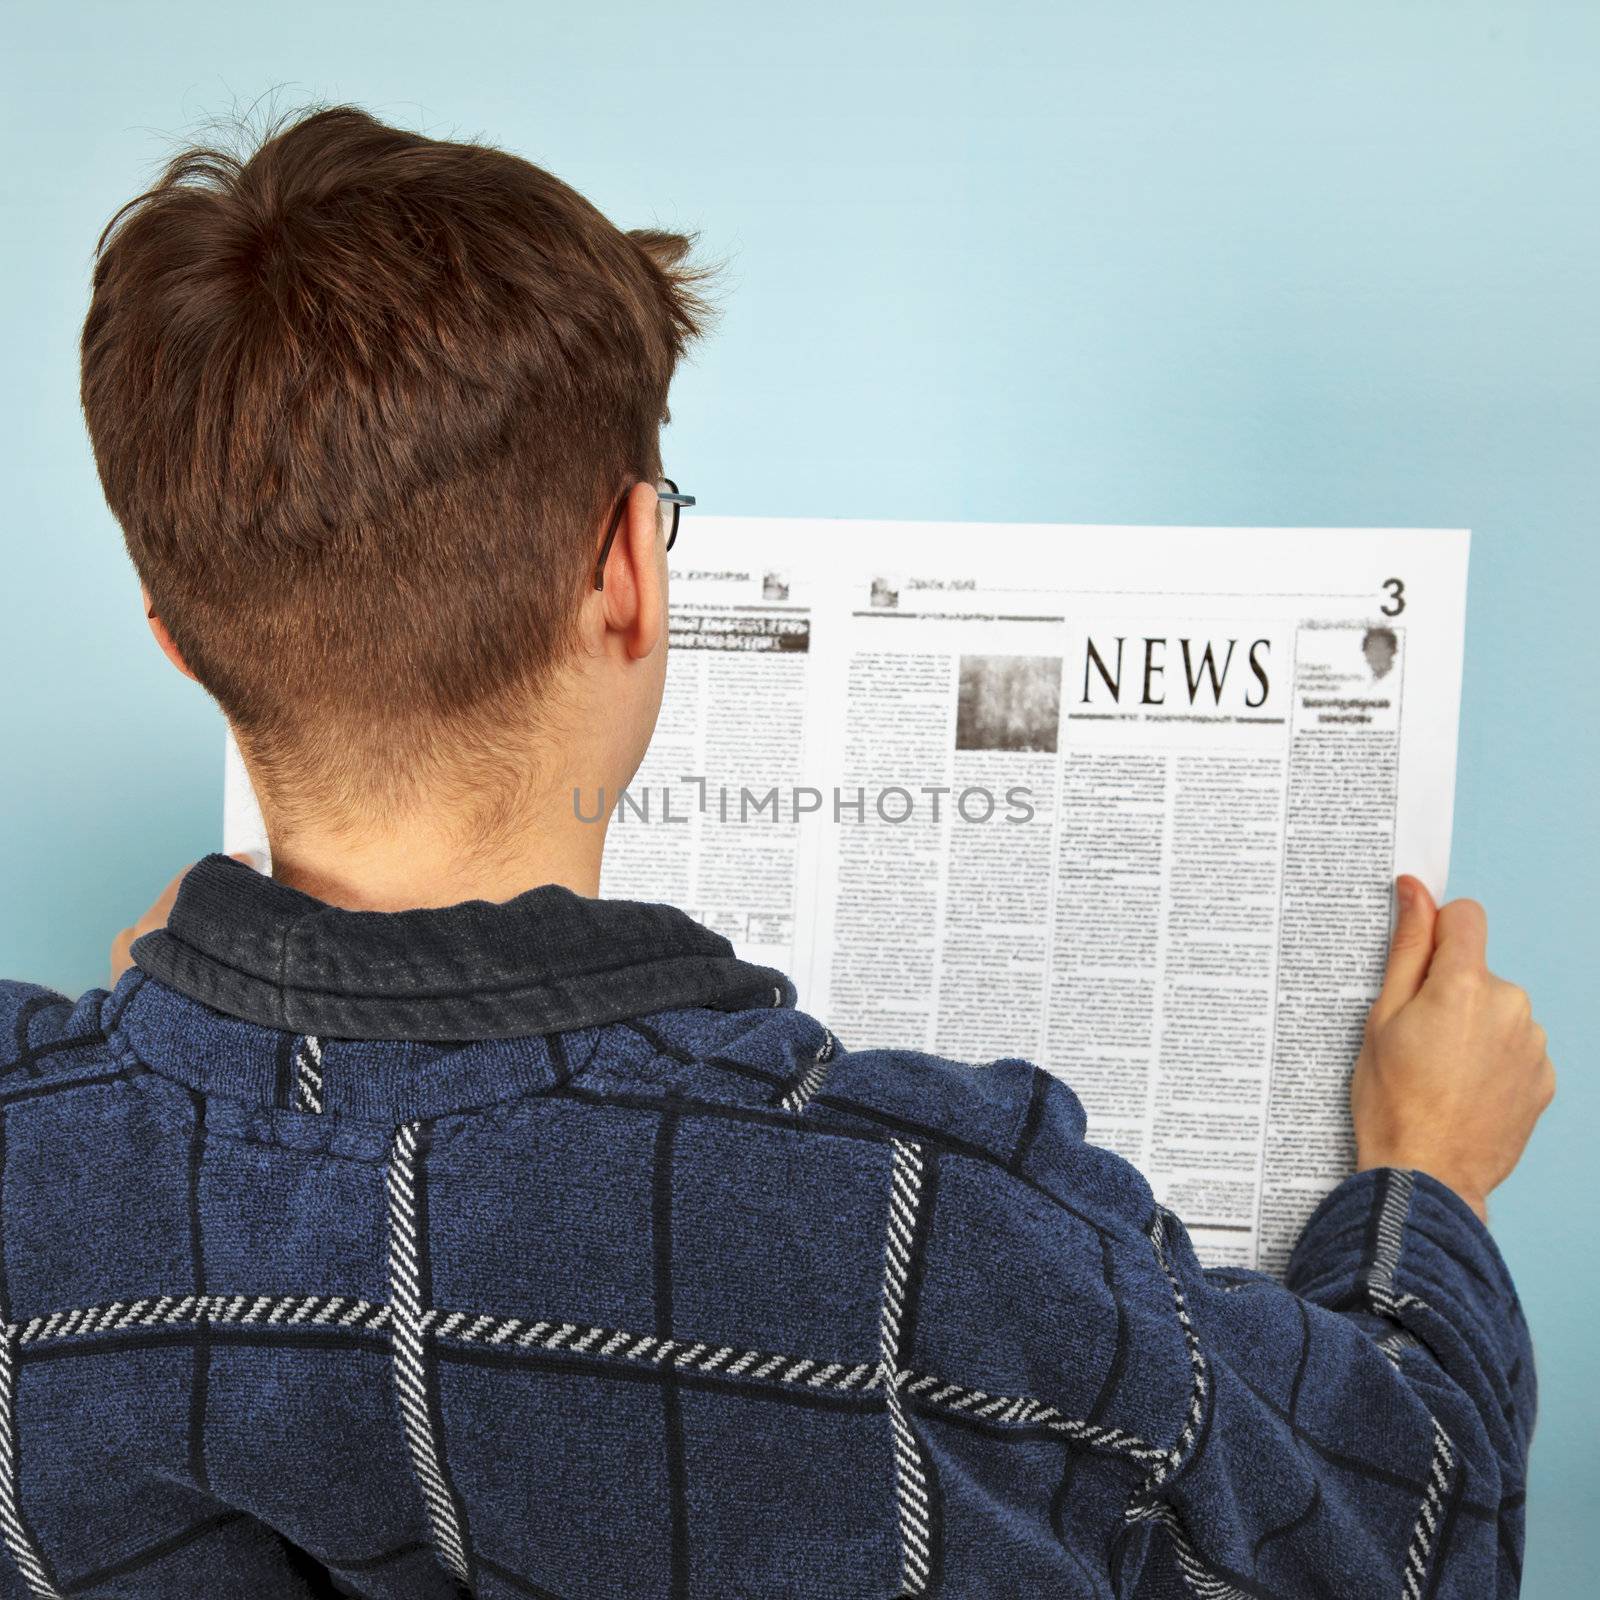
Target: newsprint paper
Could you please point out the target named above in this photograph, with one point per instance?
(1126, 802)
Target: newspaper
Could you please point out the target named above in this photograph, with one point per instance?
(1126, 802)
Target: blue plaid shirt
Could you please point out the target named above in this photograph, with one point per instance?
(545, 1249)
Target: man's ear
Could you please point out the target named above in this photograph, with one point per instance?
(159, 629)
(635, 595)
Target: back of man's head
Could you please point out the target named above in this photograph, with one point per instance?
(359, 400)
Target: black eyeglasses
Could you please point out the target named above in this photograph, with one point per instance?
(670, 503)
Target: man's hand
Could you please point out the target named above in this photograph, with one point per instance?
(156, 916)
(1453, 1071)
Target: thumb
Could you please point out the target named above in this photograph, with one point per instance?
(1410, 948)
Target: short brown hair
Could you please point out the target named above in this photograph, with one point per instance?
(358, 400)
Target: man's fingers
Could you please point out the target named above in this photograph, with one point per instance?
(1461, 938)
(121, 958)
(1547, 1082)
(155, 917)
(1410, 949)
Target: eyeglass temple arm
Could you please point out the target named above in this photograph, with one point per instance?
(670, 497)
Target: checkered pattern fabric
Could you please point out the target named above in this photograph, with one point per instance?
(696, 1303)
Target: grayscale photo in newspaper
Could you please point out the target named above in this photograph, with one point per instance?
(1126, 802)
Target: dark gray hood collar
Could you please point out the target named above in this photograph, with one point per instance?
(549, 961)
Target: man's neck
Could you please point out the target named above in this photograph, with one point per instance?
(423, 863)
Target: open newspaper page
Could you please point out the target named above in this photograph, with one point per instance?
(1125, 802)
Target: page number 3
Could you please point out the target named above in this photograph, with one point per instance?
(1396, 591)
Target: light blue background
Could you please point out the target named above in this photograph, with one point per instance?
(1158, 261)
